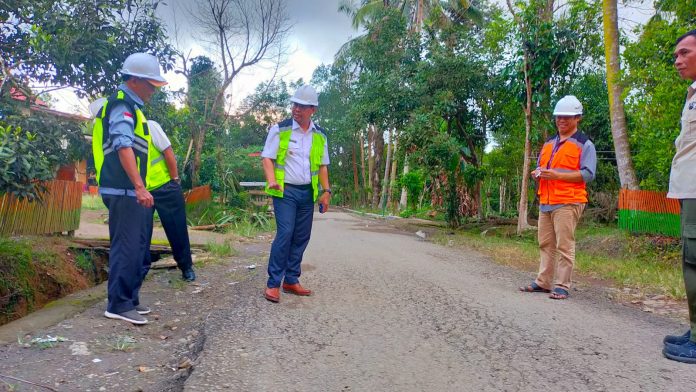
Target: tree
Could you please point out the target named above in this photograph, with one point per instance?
(75, 43)
(657, 92)
(618, 117)
(242, 33)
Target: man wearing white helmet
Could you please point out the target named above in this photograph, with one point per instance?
(295, 162)
(682, 186)
(120, 145)
(566, 163)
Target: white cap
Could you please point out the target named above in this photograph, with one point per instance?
(306, 95)
(143, 65)
(96, 106)
(568, 106)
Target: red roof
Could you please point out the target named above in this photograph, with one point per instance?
(18, 95)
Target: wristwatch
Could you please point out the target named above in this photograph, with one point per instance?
(327, 190)
(177, 179)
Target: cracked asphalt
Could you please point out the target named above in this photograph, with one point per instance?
(392, 312)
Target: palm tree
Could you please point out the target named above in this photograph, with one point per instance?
(624, 163)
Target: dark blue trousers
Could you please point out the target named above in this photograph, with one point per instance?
(171, 208)
(293, 213)
(127, 231)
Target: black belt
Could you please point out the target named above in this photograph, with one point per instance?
(305, 186)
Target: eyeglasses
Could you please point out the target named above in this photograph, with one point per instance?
(300, 106)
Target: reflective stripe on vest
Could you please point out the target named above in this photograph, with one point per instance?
(566, 158)
(315, 154)
(110, 172)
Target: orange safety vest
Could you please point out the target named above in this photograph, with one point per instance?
(566, 158)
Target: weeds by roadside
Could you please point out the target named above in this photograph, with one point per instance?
(122, 343)
(649, 264)
(224, 249)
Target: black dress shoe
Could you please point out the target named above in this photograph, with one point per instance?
(188, 275)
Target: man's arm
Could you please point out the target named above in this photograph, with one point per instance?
(325, 198)
(127, 159)
(269, 172)
(170, 160)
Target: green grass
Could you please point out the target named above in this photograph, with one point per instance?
(221, 250)
(16, 274)
(93, 202)
(650, 264)
(83, 260)
(122, 343)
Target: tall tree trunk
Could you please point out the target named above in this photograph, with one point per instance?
(403, 200)
(385, 178)
(370, 163)
(392, 177)
(378, 145)
(522, 223)
(356, 183)
(627, 174)
(362, 167)
(197, 156)
(502, 197)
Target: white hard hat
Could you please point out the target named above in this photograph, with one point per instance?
(568, 106)
(96, 106)
(154, 124)
(144, 66)
(306, 95)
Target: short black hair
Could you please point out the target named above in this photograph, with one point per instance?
(125, 77)
(691, 33)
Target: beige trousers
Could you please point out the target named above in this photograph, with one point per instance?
(557, 246)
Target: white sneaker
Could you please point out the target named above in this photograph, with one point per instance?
(132, 316)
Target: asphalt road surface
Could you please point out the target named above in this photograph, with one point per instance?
(393, 312)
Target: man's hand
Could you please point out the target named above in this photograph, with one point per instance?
(274, 185)
(536, 173)
(144, 197)
(324, 200)
(549, 174)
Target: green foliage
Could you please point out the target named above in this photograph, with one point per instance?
(33, 147)
(656, 93)
(413, 181)
(79, 43)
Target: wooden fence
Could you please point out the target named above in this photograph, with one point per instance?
(649, 212)
(57, 212)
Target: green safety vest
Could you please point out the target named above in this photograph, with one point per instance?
(110, 173)
(315, 154)
(158, 172)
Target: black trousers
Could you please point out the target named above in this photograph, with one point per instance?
(128, 235)
(688, 229)
(171, 208)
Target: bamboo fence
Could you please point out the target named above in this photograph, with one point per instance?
(58, 211)
(649, 212)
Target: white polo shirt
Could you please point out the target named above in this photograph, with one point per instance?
(681, 177)
(159, 138)
(297, 170)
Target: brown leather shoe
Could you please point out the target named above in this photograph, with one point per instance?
(272, 294)
(296, 289)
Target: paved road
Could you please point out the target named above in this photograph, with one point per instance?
(395, 313)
